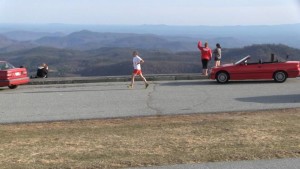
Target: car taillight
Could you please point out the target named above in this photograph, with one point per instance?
(9, 74)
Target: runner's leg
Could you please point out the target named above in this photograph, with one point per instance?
(144, 79)
(132, 80)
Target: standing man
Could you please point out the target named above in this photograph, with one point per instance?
(137, 70)
(218, 55)
(206, 55)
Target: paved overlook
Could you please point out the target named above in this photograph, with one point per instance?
(32, 103)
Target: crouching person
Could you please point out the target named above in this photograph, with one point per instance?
(42, 71)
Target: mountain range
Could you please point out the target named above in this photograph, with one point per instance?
(93, 53)
(230, 36)
(109, 61)
(87, 40)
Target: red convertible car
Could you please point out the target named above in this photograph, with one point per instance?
(11, 76)
(242, 70)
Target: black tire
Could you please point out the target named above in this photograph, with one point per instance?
(13, 86)
(280, 76)
(222, 77)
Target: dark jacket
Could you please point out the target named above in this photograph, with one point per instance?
(42, 72)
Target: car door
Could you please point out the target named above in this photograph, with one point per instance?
(248, 71)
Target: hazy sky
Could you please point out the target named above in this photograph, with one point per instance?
(137, 12)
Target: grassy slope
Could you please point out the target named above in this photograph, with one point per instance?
(133, 142)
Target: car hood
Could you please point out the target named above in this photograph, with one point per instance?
(226, 65)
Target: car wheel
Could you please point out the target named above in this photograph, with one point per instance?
(280, 76)
(12, 86)
(222, 77)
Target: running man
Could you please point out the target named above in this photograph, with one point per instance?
(137, 61)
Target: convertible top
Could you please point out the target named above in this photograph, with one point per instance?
(242, 60)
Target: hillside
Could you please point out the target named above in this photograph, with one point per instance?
(230, 36)
(150, 37)
(88, 40)
(29, 35)
(4, 41)
(117, 61)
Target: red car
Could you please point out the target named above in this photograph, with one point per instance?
(242, 70)
(11, 76)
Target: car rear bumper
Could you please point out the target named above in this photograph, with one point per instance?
(10, 82)
(293, 74)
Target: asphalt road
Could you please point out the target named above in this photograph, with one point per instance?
(260, 164)
(113, 99)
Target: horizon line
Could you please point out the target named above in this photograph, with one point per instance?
(170, 25)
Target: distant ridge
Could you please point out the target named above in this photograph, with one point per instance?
(87, 40)
(110, 61)
(95, 50)
(240, 36)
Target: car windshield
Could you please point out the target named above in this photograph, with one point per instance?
(5, 66)
(242, 60)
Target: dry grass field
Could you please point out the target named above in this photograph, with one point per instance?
(148, 141)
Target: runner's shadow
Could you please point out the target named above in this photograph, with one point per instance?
(188, 83)
(211, 82)
(250, 82)
(74, 91)
(293, 98)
